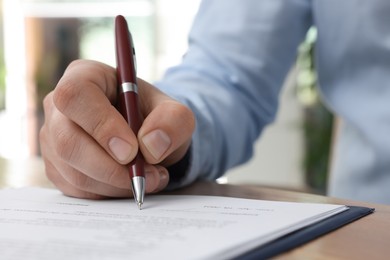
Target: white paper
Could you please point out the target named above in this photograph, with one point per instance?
(37, 223)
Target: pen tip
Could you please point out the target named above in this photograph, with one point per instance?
(139, 205)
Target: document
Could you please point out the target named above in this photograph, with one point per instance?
(38, 223)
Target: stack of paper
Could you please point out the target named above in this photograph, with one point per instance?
(38, 223)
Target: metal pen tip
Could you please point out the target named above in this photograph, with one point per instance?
(138, 187)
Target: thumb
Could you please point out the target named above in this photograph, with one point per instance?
(166, 132)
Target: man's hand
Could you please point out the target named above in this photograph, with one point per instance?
(86, 143)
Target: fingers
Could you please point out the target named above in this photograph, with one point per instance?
(157, 178)
(79, 167)
(81, 95)
(166, 133)
(76, 184)
(57, 179)
(85, 95)
(72, 145)
(86, 142)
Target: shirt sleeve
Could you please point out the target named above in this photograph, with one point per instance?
(239, 54)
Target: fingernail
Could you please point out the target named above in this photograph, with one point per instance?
(157, 142)
(120, 148)
(164, 176)
(164, 179)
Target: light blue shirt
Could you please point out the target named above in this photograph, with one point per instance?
(239, 54)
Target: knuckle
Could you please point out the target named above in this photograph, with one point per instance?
(69, 88)
(50, 172)
(188, 116)
(101, 125)
(53, 177)
(79, 180)
(65, 93)
(183, 115)
(47, 102)
(75, 63)
(42, 135)
(116, 176)
(66, 146)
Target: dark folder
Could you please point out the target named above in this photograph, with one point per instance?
(307, 234)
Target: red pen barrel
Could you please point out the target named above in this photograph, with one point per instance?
(128, 103)
(129, 108)
(125, 52)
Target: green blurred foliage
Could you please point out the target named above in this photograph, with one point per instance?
(318, 120)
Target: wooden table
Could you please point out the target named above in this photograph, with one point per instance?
(366, 238)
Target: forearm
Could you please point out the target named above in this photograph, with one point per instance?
(231, 76)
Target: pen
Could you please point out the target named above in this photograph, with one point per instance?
(128, 103)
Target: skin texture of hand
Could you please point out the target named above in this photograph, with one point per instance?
(86, 143)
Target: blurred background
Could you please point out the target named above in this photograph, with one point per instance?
(39, 38)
